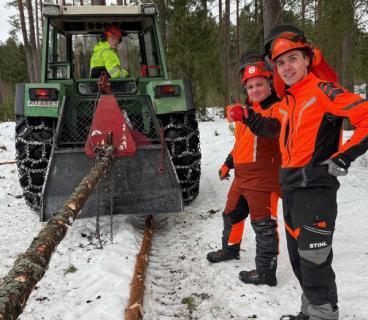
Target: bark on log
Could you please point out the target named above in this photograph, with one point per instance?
(30, 266)
(135, 304)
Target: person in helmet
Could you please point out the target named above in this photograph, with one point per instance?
(105, 56)
(309, 125)
(255, 189)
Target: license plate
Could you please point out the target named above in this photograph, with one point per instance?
(47, 104)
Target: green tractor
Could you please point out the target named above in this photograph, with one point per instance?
(53, 117)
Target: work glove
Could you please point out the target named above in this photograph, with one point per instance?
(124, 73)
(337, 166)
(224, 172)
(236, 112)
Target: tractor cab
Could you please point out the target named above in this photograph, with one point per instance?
(72, 35)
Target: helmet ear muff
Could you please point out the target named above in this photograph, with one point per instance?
(103, 36)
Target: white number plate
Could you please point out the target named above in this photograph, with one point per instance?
(41, 103)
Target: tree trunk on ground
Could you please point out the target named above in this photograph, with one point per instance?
(32, 38)
(271, 15)
(30, 267)
(134, 311)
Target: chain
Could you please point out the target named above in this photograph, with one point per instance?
(99, 154)
(187, 152)
(98, 228)
(112, 202)
(24, 165)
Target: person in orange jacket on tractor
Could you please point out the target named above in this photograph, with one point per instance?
(309, 124)
(255, 189)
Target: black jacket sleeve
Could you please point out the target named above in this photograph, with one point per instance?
(262, 126)
(229, 161)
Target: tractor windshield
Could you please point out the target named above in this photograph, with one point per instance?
(70, 46)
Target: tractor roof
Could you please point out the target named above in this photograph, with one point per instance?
(102, 11)
(94, 19)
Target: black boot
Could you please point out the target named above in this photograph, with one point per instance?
(222, 255)
(253, 277)
(300, 316)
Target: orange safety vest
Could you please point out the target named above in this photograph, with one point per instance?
(256, 159)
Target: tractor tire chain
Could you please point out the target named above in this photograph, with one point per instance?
(184, 148)
(33, 147)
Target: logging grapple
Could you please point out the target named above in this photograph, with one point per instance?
(150, 118)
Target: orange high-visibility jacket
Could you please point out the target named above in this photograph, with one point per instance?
(309, 124)
(257, 159)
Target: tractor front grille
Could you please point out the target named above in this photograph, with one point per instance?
(77, 114)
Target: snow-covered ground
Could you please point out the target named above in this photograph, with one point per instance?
(180, 283)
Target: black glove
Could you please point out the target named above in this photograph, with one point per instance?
(229, 161)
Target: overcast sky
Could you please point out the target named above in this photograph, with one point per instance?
(4, 24)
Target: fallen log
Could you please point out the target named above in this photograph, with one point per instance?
(30, 266)
(8, 162)
(134, 311)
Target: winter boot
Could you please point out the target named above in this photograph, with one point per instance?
(300, 316)
(253, 277)
(222, 255)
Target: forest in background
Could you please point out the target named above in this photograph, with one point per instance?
(204, 40)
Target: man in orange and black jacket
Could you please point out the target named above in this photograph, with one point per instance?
(255, 189)
(309, 125)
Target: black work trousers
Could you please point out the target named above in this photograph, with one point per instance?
(310, 215)
(262, 208)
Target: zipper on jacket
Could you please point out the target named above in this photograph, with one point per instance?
(290, 124)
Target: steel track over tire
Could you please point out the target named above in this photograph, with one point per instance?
(182, 140)
(33, 143)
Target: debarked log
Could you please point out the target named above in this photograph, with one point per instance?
(30, 266)
(134, 311)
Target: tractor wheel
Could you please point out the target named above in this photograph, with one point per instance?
(182, 140)
(33, 143)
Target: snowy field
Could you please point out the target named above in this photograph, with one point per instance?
(180, 283)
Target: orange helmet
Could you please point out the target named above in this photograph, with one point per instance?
(113, 30)
(258, 69)
(252, 64)
(284, 38)
(283, 44)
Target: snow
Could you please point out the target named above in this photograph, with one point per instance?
(178, 270)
